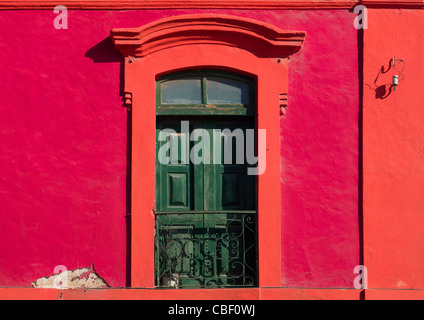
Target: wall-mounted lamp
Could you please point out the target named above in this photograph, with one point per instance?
(395, 81)
(395, 78)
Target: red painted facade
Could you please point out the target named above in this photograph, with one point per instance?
(393, 163)
(348, 169)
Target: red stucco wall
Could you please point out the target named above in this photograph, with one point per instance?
(319, 155)
(64, 137)
(393, 151)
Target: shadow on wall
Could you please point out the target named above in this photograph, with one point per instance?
(382, 84)
(104, 52)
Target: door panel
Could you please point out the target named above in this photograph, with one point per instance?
(174, 173)
(227, 185)
(178, 193)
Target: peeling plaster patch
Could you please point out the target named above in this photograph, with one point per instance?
(77, 279)
(401, 284)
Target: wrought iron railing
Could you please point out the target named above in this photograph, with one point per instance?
(206, 250)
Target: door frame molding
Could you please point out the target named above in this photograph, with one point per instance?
(222, 42)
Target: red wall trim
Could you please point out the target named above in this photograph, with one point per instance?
(189, 294)
(198, 4)
(209, 294)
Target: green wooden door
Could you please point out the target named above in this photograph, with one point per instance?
(219, 183)
(203, 234)
(205, 205)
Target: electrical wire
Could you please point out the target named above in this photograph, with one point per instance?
(400, 72)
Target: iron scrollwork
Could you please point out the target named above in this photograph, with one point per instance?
(206, 250)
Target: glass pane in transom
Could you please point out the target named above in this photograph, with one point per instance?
(182, 91)
(227, 91)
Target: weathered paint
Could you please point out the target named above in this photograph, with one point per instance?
(394, 151)
(75, 279)
(65, 172)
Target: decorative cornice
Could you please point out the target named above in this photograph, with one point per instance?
(258, 37)
(205, 4)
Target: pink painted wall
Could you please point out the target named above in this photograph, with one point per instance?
(319, 155)
(63, 132)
